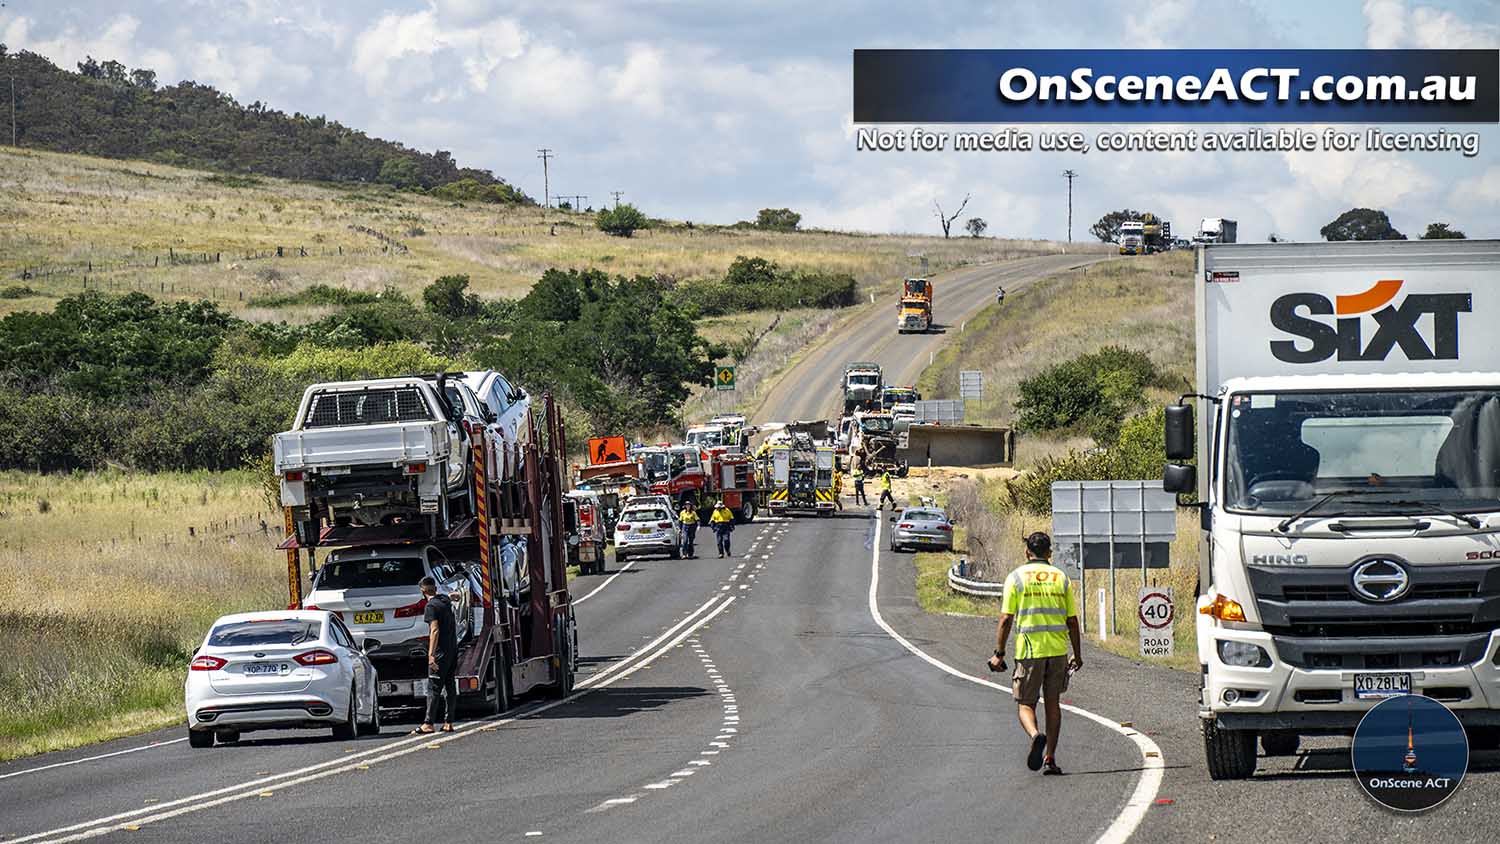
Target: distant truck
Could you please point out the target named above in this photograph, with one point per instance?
(1348, 477)
(1132, 238)
(863, 381)
(1217, 230)
(914, 313)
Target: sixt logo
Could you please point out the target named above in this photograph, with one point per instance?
(1394, 325)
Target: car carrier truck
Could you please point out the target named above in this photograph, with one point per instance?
(1346, 434)
(514, 550)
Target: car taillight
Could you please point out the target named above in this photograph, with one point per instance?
(905, 526)
(411, 609)
(945, 528)
(663, 525)
(318, 657)
(294, 476)
(206, 663)
(316, 607)
(416, 468)
(622, 526)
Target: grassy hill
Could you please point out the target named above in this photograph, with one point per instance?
(182, 233)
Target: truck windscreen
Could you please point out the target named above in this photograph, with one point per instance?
(1285, 450)
(877, 424)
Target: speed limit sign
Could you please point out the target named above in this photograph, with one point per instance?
(1155, 613)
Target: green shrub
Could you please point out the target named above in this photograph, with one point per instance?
(1093, 393)
(621, 220)
(18, 291)
(756, 284)
(320, 294)
(472, 190)
(1139, 453)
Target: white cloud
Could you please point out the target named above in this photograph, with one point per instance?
(1392, 24)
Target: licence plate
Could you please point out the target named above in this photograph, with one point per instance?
(262, 669)
(643, 531)
(373, 617)
(1381, 685)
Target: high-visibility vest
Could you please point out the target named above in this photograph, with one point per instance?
(722, 515)
(885, 482)
(1041, 599)
(689, 516)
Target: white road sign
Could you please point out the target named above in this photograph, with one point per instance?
(1155, 613)
(971, 384)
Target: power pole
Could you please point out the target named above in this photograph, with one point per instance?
(544, 154)
(1070, 175)
(617, 194)
(580, 200)
(12, 109)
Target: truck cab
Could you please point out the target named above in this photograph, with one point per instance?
(1348, 474)
(862, 385)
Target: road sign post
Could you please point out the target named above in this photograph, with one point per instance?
(1155, 612)
(723, 377)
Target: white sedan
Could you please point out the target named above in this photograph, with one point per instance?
(280, 670)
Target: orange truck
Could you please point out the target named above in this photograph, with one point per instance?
(914, 314)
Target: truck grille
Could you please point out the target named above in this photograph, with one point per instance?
(1443, 601)
(1338, 592)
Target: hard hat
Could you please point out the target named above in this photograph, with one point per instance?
(719, 503)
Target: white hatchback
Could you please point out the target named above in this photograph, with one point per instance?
(280, 669)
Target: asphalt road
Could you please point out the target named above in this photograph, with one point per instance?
(811, 388)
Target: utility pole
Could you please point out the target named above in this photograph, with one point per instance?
(579, 200)
(12, 109)
(617, 194)
(1070, 175)
(544, 154)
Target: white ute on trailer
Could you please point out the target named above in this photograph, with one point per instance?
(1347, 446)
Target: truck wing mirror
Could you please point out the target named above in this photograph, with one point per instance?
(1178, 430)
(1178, 478)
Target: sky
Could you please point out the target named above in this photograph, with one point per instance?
(710, 111)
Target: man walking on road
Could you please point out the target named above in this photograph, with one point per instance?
(1040, 604)
(722, 522)
(859, 486)
(442, 657)
(885, 491)
(689, 519)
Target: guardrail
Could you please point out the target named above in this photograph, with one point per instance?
(980, 588)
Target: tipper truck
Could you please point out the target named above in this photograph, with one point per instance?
(914, 313)
(863, 381)
(1346, 434)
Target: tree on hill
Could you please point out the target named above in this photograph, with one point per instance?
(1442, 231)
(108, 110)
(976, 226)
(946, 220)
(1361, 224)
(1107, 229)
(621, 220)
(778, 219)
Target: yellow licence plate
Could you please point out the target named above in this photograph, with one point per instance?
(375, 617)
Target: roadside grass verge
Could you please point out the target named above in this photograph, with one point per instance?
(104, 594)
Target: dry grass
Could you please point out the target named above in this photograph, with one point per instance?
(104, 594)
(1141, 303)
(66, 209)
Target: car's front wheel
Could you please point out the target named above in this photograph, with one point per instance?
(200, 738)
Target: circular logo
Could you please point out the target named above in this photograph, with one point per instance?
(1380, 580)
(1155, 610)
(1410, 753)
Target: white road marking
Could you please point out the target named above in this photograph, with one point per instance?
(699, 762)
(619, 801)
(684, 773)
(253, 788)
(41, 768)
(660, 785)
(611, 579)
(1146, 788)
(615, 666)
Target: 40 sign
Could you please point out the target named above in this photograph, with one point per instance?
(1155, 613)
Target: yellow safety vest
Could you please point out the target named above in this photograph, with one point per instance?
(1041, 599)
(688, 516)
(722, 515)
(885, 482)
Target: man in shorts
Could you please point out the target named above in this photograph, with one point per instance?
(1040, 604)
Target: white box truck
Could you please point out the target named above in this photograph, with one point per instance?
(1347, 446)
(1217, 230)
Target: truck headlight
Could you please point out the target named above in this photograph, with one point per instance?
(1243, 655)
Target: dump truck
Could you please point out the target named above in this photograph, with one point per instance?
(797, 471)
(874, 444)
(512, 549)
(862, 385)
(914, 311)
(1344, 429)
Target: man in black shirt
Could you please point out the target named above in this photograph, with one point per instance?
(442, 657)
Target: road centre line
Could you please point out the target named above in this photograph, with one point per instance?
(411, 744)
(600, 588)
(1140, 800)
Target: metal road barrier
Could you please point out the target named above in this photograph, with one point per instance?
(980, 588)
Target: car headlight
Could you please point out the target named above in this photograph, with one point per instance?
(1243, 655)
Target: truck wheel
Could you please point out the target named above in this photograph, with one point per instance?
(1280, 742)
(1230, 753)
(562, 648)
(200, 738)
(902, 470)
(747, 512)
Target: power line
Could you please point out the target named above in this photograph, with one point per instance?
(1070, 175)
(617, 194)
(545, 154)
